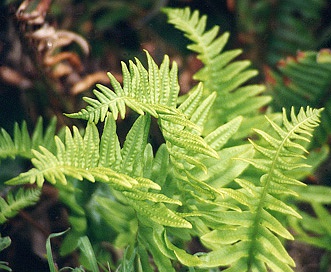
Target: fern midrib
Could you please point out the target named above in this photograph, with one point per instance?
(150, 107)
(197, 37)
(257, 220)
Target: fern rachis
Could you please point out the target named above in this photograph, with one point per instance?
(258, 233)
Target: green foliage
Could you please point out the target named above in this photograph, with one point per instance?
(22, 144)
(205, 183)
(301, 81)
(14, 203)
(314, 230)
(253, 243)
(4, 243)
(314, 227)
(128, 171)
(272, 30)
(219, 74)
(102, 160)
(153, 91)
(84, 245)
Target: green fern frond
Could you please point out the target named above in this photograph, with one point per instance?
(152, 91)
(314, 229)
(295, 27)
(78, 157)
(219, 74)
(85, 157)
(14, 203)
(254, 245)
(22, 143)
(301, 81)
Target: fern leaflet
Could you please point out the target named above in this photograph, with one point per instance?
(218, 74)
(85, 157)
(254, 244)
(21, 144)
(153, 91)
(14, 203)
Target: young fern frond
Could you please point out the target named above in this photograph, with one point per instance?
(21, 144)
(153, 91)
(14, 203)
(254, 245)
(85, 157)
(78, 156)
(218, 74)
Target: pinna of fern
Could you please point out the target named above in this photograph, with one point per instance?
(254, 244)
(94, 159)
(219, 74)
(22, 143)
(16, 202)
(303, 80)
(151, 91)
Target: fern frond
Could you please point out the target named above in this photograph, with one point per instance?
(22, 143)
(85, 157)
(78, 157)
(254, 245)
(300, 81)
(152, 91)
(219, 74)
(14, 203)
(292, 30)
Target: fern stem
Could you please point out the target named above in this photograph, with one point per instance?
(266, 186)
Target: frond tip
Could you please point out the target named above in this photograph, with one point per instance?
(221, 73)
(153, 90)
(285, 149)
(254, 243)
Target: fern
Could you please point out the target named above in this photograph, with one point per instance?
(204, 182)
(84, 157)
(294, 28)
(219, 74)
(153, 91)
(22, 144)
(253, 244)
(14, 203)
(303, 80)
(313, 229)
(169, 198)
(274, 30)
(4, 243)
